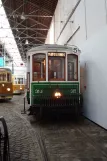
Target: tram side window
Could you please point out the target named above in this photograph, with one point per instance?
(8, 77)
(39, 68)
(56, 68)
(72, 67)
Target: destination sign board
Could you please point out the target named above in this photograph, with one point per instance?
(56, 54)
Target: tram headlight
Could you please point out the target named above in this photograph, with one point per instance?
(57, 94)
(8, 89)
(21, 88)
(3, 85)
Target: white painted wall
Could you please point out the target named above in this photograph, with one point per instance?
(50, 37)
(91, 38)
(90, 15)
(94, 54)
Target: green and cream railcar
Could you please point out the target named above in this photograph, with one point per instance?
(53, 79)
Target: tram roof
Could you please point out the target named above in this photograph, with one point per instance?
(5, 69)
(52, 47)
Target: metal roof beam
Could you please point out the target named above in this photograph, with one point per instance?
(38, 22)
(3, 3)
(41, 8)
(15, 10)
(27, 28)
(31, 19)
(26, 37)
(36, 38)
(19, 15)
(21, 21)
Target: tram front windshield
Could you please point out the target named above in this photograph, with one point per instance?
(5, 77)
(56, 66)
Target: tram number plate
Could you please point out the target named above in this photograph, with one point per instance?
(38, 90)
(73, 91)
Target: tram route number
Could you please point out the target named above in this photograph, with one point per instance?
(41, 91)
(75, 50)
(38, 90)
(73, 91)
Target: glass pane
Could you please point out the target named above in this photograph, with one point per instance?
(56, 68)
(8, 77)
(72, 67)
(18, 80)
(21, 80)
(2, 76)
(39, 69)
(15, 81)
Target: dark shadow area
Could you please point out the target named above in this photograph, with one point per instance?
(50, 118)
(5, 101)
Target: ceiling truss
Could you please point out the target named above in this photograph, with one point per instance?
(30, 21)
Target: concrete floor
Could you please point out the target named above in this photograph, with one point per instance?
(60, 139)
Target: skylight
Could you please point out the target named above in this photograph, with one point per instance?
(7, 38)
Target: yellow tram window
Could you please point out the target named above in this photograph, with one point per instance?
(39, 67)
(72, 67)
(20, 80)
(56, 67)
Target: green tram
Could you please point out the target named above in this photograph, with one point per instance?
(53, 79)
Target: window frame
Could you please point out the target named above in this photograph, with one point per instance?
(77, 71)
(58, 79)
(5, 75)
(8, 73)
(38, 79)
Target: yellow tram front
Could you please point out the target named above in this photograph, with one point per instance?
(6, 87)
(18, 84)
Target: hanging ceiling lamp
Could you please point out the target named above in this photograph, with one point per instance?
(22, 16)
(26, 42)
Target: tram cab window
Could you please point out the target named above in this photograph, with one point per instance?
(56, 66)
(20, 80)
(2, 76)
(39, 67)
(72, 67)
(15, 81)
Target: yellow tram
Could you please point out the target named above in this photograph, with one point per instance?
(18, 84)
(6, 88)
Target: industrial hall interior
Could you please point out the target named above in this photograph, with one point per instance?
(53, 80)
